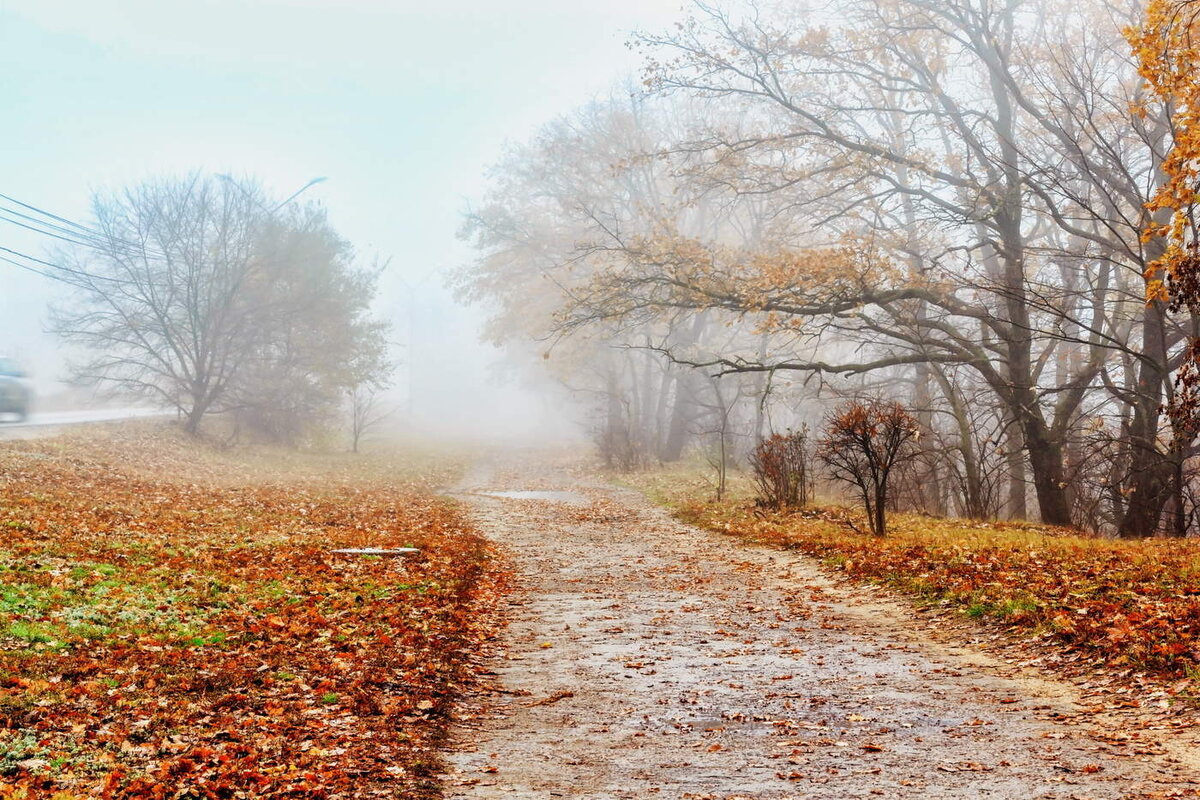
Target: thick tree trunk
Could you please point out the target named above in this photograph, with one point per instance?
(1043, 444)
(1151, 485)
(1151, 471)
(879, 523)
(191, 421)
(1014, 458)
(681, 415)
(1179, 529)
(1046, 464)
(201, 402)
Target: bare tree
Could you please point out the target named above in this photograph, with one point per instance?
(163, 303)
(864, 443)
(207, 296)
(370, 370)
(367, 412)
(717, 429)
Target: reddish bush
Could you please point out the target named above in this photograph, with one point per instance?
(780, 464)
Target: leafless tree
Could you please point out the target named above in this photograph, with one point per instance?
(864, 443)
(209, 297)
(163, 305)
(367, 413)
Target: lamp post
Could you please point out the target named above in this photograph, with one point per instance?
(227, 178)
(299, 192)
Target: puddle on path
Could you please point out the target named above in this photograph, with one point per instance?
(570, 498)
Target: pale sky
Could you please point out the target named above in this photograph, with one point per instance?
(401, 104)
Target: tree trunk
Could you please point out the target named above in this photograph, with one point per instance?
(195, 414)
(1045, 448)
(1152, 475)
(1046, 464)
(1151, 471)
(614, 419)
(879, 523)
(973, 501)
(1014, 462)
(681, 417)
(1179, 531)
(669, 380)
(929, 477)
(681, 412)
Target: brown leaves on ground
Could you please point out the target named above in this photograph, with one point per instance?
(1130, 604)
(171, 628)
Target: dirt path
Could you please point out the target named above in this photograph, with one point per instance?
(647, 659)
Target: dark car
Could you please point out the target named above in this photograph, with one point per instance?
(14, 390)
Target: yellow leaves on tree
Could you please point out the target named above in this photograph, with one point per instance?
(1167, 51)
(785, 284)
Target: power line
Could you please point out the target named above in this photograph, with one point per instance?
(28, 268)
(65, 230)
(89, 243)
(60, 228)
(43, 273)
(44, 213)
(70, 231)
(59, 271)
(51, 234)
(30, 258)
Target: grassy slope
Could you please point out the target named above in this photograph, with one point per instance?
(1125, 604)
(172, 618)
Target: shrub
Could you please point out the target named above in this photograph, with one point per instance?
(780, 464)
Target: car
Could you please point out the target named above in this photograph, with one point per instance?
(15, 394)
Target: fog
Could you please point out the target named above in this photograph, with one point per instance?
(400, 396)
(400, 105)
(691, 232)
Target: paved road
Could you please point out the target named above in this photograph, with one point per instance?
(647, 659)
(45, 424)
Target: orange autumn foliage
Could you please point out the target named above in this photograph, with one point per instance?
(1167, 49)
(1128, 604)
(784, 285)
(174, 623)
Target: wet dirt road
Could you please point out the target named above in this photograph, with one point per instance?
(646, 659)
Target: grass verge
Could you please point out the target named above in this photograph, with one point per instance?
(1126, 604)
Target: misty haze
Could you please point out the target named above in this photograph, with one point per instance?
(720, 400)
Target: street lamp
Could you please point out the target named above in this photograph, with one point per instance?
(299, 192)
(227, 178)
